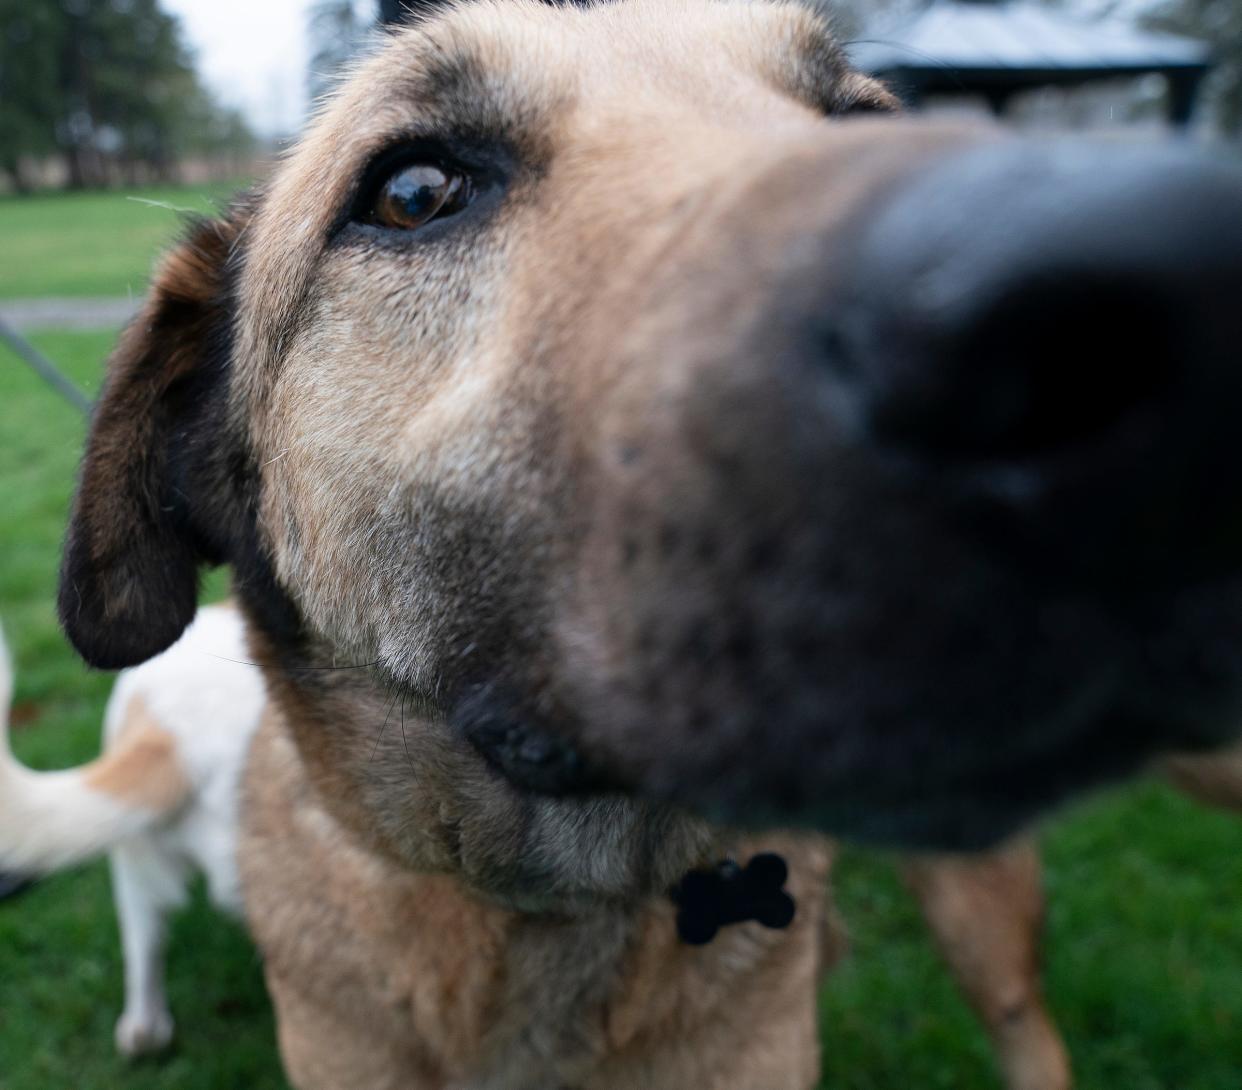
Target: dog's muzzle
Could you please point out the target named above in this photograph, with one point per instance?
(918, 500)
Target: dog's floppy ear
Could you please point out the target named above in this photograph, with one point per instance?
(152, 496)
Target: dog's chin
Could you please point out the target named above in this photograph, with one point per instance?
(571, 855)
(531, 901)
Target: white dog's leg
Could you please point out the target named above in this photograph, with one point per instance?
(147, 883)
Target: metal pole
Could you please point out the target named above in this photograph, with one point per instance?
(43, 367)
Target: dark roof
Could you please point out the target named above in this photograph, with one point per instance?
(969, 44)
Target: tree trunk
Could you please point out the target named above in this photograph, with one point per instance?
(12, 166)
(77, 168)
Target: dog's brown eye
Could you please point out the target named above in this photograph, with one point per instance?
(418, 194)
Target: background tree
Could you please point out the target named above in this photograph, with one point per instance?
(109, 86)
(1218, 22)
(30, 36)
(338, 31)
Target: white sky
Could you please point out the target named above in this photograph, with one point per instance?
(252, 54)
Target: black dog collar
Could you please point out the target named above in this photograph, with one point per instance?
(708, 900)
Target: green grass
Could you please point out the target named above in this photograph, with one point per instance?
(1144, 959)
(1145, 938)
(92, 243)
(60, 961)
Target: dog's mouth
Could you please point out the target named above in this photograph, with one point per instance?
(932, 735)
(959, 802)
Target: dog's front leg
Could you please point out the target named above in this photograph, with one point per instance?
(986, 913)
(146, 885)
(1212, 778)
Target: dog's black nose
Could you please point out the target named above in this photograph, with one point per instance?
(1056, 332)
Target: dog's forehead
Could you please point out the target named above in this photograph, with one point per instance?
(533, 53)
(530, 72)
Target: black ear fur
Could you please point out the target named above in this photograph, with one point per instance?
(155, 463)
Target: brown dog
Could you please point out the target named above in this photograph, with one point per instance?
(514, 405)
(424, 921)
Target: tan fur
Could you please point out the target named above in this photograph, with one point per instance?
(623, 114)
(383, 977)
(141, 767)
(434, 985)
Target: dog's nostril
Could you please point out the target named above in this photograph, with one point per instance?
(1049, 365)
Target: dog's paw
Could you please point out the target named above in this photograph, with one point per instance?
(143, 1034)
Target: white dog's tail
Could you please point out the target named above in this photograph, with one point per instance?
(51, 820)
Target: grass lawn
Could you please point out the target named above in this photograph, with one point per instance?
(92, 243)
(1145, 944)
(60, 964)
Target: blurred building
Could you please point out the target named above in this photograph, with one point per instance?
(998, 51)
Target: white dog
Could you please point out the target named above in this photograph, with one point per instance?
(161, 800)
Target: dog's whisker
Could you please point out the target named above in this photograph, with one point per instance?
(165, 205)
(384, 725)
(300, 669)
(405, 742)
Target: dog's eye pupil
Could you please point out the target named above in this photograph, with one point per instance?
(415, 195)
